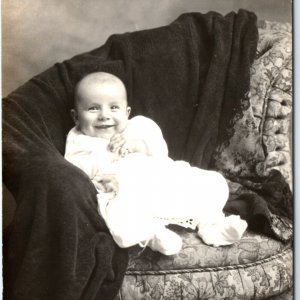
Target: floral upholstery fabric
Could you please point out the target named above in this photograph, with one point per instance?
(257, 267)
(261, 139)
(195, 254)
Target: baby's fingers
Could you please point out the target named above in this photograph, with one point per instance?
(115, 137)
(116, 145)
(99, 186)
(112, 186)
(123, 151)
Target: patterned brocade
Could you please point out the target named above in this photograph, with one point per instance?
(261, 138)
(256, 266)
(195, 254)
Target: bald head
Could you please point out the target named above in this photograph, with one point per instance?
(99, 80)
(101, 108)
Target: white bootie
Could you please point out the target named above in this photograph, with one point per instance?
(223, 232)
(165, 241)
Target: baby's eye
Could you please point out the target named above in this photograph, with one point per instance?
(115, 107)
(93, 108)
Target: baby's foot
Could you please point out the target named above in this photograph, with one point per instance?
(224, 232)
(165, 241)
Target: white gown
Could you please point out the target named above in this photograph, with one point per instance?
(152, 189)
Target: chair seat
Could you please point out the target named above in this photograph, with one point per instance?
(255, 267)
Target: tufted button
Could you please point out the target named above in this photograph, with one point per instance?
(195, 105)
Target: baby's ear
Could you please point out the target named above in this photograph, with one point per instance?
(74, 115)
(128, 110)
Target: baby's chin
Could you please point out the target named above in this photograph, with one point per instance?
(104, 135)
(107, 135)
(98, 134)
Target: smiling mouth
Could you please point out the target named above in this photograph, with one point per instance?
(104, 126)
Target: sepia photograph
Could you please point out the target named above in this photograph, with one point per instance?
(147, 149)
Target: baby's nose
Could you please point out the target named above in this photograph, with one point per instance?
(104, 114)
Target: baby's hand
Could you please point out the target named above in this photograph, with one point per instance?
(107, 183)
(121, 144)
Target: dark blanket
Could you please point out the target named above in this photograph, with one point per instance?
(188, 76)
(265, 203)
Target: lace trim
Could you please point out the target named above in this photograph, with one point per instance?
(184, 222)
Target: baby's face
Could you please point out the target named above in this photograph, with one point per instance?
(102, 109)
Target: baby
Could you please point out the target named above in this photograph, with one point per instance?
(140, 189)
